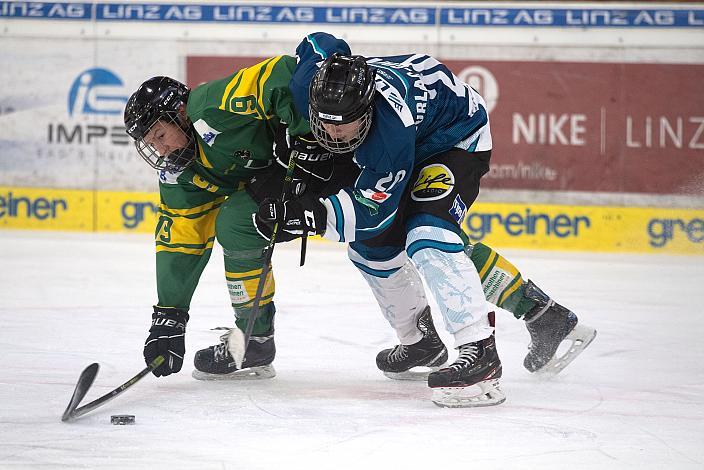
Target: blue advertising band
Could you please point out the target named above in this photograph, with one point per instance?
(476, 16)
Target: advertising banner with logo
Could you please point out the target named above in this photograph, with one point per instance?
(61, 108)
(526, 14)
(576, 126)
(593, 127)
(78, 210)
(46, 209)
(587, 228)
(594, 103)
(547, 227)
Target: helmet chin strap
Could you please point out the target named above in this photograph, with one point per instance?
(181, 158)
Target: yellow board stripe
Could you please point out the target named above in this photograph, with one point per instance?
(611, 229)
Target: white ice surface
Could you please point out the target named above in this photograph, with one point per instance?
(634, 399)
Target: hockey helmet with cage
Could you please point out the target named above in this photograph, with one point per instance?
(342, 92)
(159, 99)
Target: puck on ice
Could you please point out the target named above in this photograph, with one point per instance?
(122, 419)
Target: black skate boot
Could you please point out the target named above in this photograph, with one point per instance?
(549, 324)
(429, 354)
(478, 364)
(216, 362)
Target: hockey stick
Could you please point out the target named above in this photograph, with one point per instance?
(236, 340)
(304, 244)
(85, 380)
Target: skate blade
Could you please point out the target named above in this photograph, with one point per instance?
(251, 373)
(580, 337)
(416, 374)
(489, 394)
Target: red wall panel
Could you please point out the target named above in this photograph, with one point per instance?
(635, 128)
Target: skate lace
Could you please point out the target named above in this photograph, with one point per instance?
(399, 353)
(468, 354)
(221, 351)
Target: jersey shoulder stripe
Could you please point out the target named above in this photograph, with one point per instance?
(396, 99)
(245, 92)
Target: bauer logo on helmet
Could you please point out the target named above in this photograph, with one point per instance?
(330, 117)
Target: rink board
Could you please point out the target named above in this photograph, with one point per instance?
(503, 225)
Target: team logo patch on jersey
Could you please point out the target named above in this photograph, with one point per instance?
(458, 209)
(207, 133)
(169, 177)
(434, 182)
(376, 196)
(373, 206)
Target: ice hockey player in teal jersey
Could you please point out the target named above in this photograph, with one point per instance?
(422, 141)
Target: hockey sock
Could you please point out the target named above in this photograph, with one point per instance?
(502, 282)
(242, 287)
(264, 324)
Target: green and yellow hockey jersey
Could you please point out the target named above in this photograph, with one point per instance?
(234, 120)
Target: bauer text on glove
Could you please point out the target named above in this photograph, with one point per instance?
(312, 160)
(166, 338)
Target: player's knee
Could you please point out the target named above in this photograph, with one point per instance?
(433, 237)
(422, 219)
(390, 257)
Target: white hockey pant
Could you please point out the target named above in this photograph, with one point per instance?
(401, 296)
(453, 281)
(451, 277)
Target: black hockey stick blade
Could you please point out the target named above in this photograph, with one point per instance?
(85, 380)
(72, 412)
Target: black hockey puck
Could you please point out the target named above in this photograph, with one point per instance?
(122, 419)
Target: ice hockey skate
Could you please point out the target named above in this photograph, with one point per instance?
(472, 380)
(550, 325)
(217, 363)
(415, 361)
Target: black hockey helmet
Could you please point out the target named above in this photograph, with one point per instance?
(341, 92)
(159, 99)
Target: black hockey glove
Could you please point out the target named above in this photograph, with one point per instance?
(312, 160)
(166, 338)
(295, 216)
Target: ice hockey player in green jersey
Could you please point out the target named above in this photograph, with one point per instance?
(207, 144)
